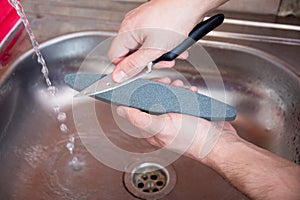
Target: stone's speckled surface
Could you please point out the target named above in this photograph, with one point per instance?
(157, 98)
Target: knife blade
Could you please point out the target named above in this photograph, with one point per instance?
(107, 83)
(200, 30)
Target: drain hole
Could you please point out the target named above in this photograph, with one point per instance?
(144, 177)
(155, 190)
(146, 191)
(159, 183)
(153, 177)
(140, 185)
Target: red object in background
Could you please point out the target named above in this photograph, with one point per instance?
(10, 31)
(8, 18)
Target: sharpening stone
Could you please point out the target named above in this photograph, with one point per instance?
(156, 98)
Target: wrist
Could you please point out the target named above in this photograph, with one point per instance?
(191, 11)
(197, 9)
(223, 150)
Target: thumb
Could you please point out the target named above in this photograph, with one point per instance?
(134, 63)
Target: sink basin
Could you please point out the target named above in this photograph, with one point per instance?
(35, 163)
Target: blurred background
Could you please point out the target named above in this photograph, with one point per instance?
(276, 19)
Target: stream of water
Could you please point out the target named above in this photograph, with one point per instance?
(61, 116)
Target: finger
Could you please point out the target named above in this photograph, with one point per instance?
(193, 88)
(134, 63)
(151, 124)
(121, 45)
(177, 83)
(139, 119)
(165, 80)
(156, 141)
(184, 55)
(165, 64)
(169, 64)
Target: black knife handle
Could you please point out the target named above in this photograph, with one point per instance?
(197, 33)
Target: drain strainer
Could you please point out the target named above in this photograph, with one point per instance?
(150, 180)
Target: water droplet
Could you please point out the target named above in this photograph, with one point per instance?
(70, 147)
(52, 90)
(48, 82)
(44, 69)
(72, 138)
(61, 116)
(108, 83)
(76, 164)
(56, 109)
(63, 128)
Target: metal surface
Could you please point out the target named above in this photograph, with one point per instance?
(35, 161)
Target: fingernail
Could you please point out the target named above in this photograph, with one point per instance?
(119, 75)
(121, 112)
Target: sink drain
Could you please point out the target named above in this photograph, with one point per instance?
(150, 180)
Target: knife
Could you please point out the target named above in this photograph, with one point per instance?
(200, 30)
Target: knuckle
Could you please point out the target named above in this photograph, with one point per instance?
(136, 122)
(110, 54)
(159, 142)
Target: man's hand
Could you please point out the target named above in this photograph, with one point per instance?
(193, 136)
(256, 172)
(153, 29)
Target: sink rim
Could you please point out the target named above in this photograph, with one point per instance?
(217, 44)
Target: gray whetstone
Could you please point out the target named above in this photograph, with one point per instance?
(157, 98)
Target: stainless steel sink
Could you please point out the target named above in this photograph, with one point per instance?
(35, 163)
